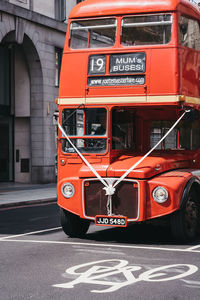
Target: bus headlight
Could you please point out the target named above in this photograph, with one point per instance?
(160, 194)
(68, 190)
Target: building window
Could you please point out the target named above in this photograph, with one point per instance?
(60, 10)
(58, 59)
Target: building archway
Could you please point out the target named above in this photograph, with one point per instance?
(23, 118)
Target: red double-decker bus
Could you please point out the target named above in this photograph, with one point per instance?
(129, 130)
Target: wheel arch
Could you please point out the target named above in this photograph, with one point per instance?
(193, 182)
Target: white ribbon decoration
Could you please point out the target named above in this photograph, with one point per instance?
(83, 158)
(148, 153)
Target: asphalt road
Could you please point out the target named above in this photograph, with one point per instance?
(38, 261)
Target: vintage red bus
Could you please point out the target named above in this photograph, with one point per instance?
(129, 129)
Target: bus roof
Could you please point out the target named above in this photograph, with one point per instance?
(100, 8)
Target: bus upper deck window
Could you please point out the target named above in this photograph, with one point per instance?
(146, 30)
(98, 33)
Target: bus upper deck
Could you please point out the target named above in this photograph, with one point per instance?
(138, 52)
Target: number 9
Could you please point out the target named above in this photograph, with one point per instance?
(100, 64)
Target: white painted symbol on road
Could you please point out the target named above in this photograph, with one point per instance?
(106, 273)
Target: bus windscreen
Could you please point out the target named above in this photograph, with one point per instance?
(87, 129)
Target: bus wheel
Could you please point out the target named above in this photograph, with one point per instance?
(185, 222)
(72, 224)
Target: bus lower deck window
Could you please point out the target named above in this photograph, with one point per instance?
(184, 137)
(123, 129)
(87, 129)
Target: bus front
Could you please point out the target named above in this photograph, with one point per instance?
(126, 147)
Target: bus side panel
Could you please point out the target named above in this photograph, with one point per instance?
(174, 185)
(189, 72)
(73, 75)
(117, 92)
(73, 204)
(68, 173)
(163, 75)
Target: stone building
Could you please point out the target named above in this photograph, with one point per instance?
(32, 34)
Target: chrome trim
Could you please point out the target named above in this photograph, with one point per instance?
(94, 27)
(111, 180)
(148, 24)
(154, 23)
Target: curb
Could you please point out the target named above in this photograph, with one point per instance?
(28, 202)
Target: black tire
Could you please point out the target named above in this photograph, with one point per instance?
(73, 225)
(185, 223)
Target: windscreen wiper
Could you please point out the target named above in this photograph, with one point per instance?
(65, 121)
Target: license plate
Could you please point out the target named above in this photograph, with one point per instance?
(111, 221)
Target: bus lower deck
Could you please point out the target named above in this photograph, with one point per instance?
(129, 126)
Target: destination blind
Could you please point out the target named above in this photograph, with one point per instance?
(122, 64)
(127, 63)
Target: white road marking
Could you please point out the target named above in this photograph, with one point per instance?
(81, 249)
(11, 238)
(192, 282)
(101, 273)
(194, 247)
(29, 233)
(100, 245)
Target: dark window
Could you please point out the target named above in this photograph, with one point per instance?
(184, 137)
(25, 165)
(123, 128)
(60, 10)
(5, 79)
(58, 60)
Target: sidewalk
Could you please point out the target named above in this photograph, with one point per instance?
(18, 194)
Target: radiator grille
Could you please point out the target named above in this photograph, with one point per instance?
(124, 201)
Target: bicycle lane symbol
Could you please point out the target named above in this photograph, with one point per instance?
(104, 272)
